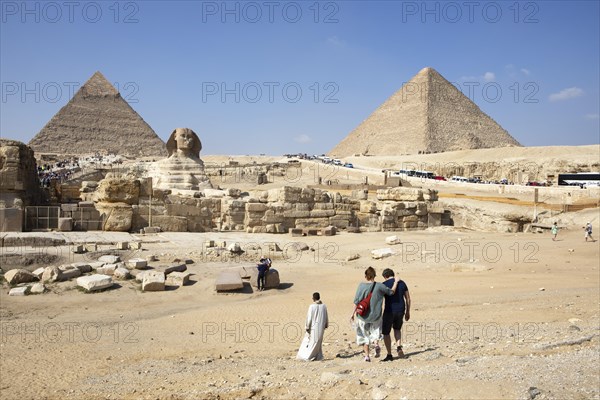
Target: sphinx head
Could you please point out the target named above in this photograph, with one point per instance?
(184, 142)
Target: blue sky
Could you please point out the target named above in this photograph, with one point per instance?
(276, 77)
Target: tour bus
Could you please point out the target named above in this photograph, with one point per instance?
(579, 179)
(415, 174)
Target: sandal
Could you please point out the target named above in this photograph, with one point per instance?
(377, 351)
(368, 359)
(400, 352)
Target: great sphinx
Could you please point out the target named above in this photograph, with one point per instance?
(182, 169)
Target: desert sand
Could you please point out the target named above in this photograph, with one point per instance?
(494, 316)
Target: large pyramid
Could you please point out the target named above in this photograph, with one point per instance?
(98, 119)
(428, 114)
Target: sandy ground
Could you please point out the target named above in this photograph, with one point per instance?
(494, 316)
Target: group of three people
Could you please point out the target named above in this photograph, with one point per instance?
(372, 325)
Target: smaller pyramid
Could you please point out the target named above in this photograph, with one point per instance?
(427, 115)
(98, 119)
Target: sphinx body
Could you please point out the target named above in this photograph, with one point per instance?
(182, 169)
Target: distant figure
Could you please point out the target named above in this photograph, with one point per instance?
(554, 231)
(368, 326)
(588, 231)
(397, 307)
(317, 321)
(263, 268)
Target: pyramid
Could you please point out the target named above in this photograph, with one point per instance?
(427, 115)
(98, 119)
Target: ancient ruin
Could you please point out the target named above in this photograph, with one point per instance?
(182, 169)
(19, 184)
(427, 115)
(98, 119)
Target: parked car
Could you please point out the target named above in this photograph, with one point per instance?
(439, 178)
(348, 165)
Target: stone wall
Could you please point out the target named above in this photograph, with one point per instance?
(278, 210)
(18, 175)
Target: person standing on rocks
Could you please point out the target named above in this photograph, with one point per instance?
(368, 326)
(317, 321)
(397, 307)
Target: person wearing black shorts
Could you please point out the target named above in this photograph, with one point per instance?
(397, 308)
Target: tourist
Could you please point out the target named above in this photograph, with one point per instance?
(397, 307)
(317, 321)
(368, 326)
(263, 268)
(554, 231)
(588, 231)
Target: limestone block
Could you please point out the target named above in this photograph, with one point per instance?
(38, 288)
(382, 253)
(107, 269)
(122, 245)
(214, 193)
(271, 280)
(109, 259)
(94, 282)
(19, 291)
(117, 216)
(392, 240)
(83, 267)
(170, 223)
(340, 221)
(178, 278)
(322, 213)
(153, 281)
(360, 194)
(312, 222)
(256, 207)
(51, 274)
(96, 264)
(117, 190)
(65, 224)
(121, 273)
(70, 274)
(310, 232)
(137, 263)
(296, 214)
(367, 206)
(16, 276)
(228, 280)
(177, 267)
(329, 231)
(38, 272)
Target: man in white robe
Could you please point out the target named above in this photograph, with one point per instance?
(316, 323)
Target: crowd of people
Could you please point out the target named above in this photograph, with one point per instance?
(63, 170)
(60, 171)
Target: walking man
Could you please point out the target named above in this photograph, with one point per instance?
(397, 307)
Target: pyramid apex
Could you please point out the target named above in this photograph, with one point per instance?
(427, 71)
(98, 85)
